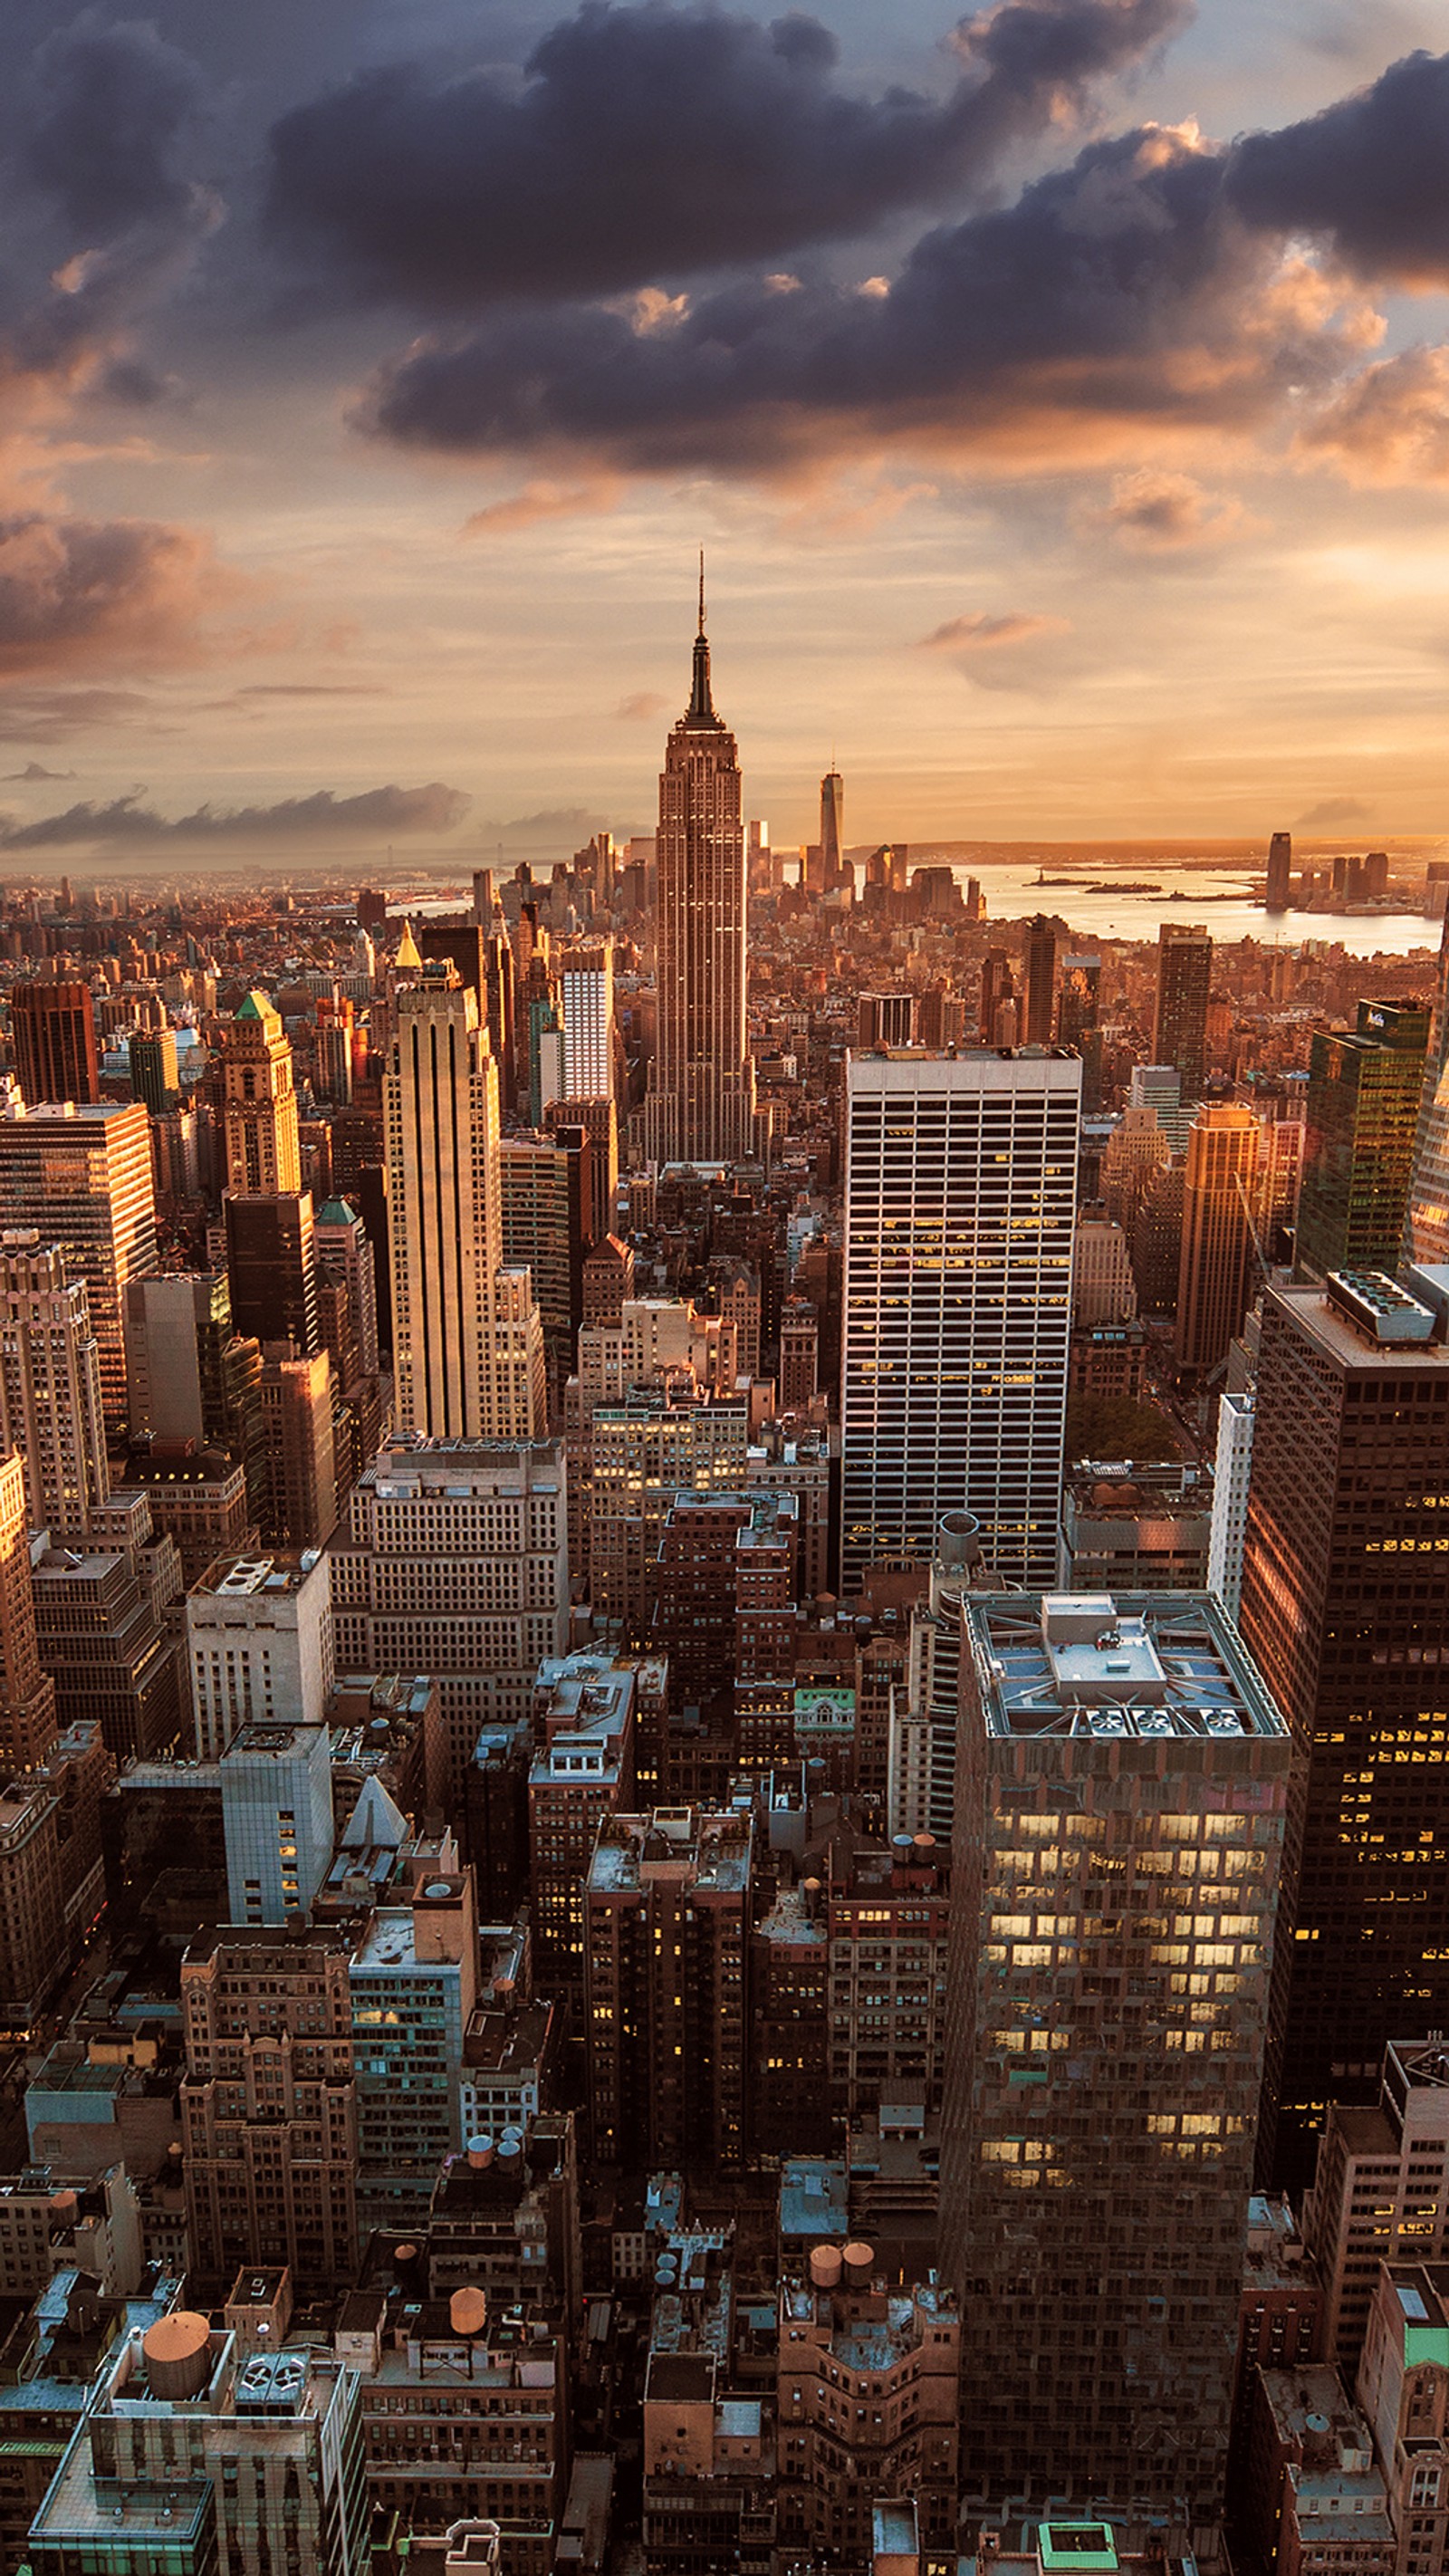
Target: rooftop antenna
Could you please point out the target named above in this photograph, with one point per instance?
(701, 590)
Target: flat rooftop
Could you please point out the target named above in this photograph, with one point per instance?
(274, 1576)
(711, 1850)
(1131, 1665)
(1352, 1346)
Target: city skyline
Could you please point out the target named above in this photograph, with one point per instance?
(271, 564)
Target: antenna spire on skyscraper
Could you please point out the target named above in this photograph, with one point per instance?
(701, 704)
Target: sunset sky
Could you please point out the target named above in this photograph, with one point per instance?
(1061, 393)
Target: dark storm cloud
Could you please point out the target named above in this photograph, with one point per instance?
(1125, 286)
(72, 590)
(109, 108)
(109, 117)
(105, 219)
(1370, 174)
(653, 142)
(434, 808)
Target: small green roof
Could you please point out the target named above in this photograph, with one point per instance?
(1077, 2544)
(253, 1007)
(337, 1212)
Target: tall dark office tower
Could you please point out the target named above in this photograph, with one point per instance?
(833, 869)
(885, 1019)
(1428, 1228)
(1184, 978)
(702, 1106)
(501, 1015)
(997, 988)
(1121, 1788)
(1365, 1086)
(1078, 1007)
(465, 946)
(1041, 981)
(53, 1030)
(271, 1267)
(155, 1074)
(1280, 870)
(1345, 1606)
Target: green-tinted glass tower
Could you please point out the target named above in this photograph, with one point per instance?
(1364, 1087)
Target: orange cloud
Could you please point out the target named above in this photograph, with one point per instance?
(979, 633)
(1390, 424)
(1163, 513)
(541, 500)
(76, 593)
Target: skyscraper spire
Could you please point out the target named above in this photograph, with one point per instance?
(701, 704)
(702, 1103)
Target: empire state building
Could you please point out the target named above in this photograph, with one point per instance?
(702, 1106)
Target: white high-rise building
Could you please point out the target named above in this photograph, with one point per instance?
(467, 1341)
(586, 990)
(1236, 1415)
(961, 1183)
(259, 1646)
(1159, 1087)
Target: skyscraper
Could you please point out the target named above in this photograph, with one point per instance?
(263, 1156)
(1345, 1607)
(545, 1222)
(1280, 869)
(53, 1030)
(1184, 980)
(298, 1503)
(454, 1561)
(155, 1071)
(1217, 1235)
(667, 2055)
(1365, 1088)
(269, 2103)
(272, 1266)
(80, 1176)
(1232, 1467)
(702, 1106)
(344, 1252)
(961, 1176)
(1428, 1226)
(1078, 1008)
(834, 871)
(276, 1806)
(467, 1343)
(1041, 981)
(885, 1019)
(27, 1695)
(997, 995)
(586, 991)
(1121, 1788)
(259, 1647)
(50, 1385)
